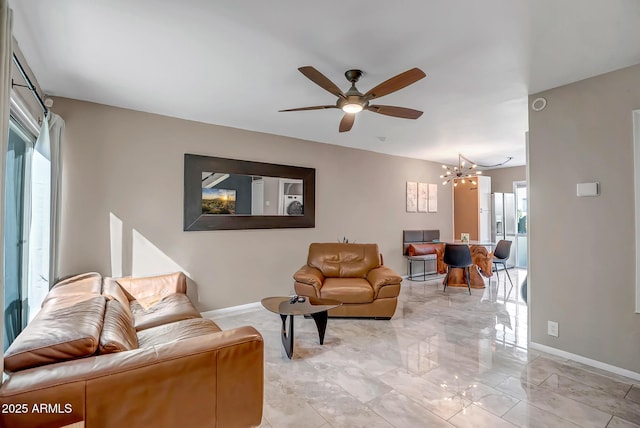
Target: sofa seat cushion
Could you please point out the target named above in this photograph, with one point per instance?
(347, 290)
(65, 329)
(174, 307)
(179, 330)
(118, 333)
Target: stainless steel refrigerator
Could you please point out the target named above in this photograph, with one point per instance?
(503, 221)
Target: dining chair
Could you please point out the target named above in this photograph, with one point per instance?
(500, 256)
(457, 256)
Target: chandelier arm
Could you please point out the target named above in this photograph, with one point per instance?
(487, 166)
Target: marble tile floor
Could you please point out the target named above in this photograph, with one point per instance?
(443, 360)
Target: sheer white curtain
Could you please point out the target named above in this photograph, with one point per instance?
(56, 129)
(45, 211)
(39, 224)
(6, 54)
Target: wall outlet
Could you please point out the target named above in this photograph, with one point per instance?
(552, 328)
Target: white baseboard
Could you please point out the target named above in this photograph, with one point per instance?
(584, 360)
(231, 310)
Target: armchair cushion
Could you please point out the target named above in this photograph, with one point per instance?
(343, 260)
(347, 290)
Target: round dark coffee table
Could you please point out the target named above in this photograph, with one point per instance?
(298, 305)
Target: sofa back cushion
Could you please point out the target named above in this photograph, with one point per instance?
(344, 260)
(149, 290)
(88, 284)
(424, 249)
(113, 291)
(118, 333)
(66, 328)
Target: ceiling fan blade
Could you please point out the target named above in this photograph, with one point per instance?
(321, 80)
(403, 112)
(347, 122)
(309, 108)
(396, 83)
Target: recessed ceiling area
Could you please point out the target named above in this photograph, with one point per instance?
(236, 63)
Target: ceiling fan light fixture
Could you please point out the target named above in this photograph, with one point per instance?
(352, 108)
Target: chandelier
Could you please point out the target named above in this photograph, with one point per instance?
(462, 172)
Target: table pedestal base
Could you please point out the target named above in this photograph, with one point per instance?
(458, 278)
(287, 336)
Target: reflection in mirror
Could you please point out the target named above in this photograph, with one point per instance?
(238, 194)
(231, 194)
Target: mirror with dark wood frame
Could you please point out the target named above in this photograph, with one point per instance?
(222, 194)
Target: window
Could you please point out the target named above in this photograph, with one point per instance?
(16, 228)
(26, 222)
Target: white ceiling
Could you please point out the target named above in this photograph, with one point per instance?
(234, 63)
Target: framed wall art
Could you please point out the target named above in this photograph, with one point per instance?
(433, 198)
(422, 197)
(412, 196)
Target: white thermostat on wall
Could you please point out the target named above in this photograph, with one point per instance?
(588, 189)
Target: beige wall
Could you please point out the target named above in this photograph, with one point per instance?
(502, 178)
(582, 250)
(123, 170)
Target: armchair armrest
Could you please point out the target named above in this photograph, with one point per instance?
(210, 380)
(310, 276)
(381, 276)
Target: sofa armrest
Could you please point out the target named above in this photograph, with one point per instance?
(210, 380)
(310, 276)
(381, 276)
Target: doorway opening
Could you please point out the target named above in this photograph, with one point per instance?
(520, 190)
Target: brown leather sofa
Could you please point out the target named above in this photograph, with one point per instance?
(130, 352)
(354, 275)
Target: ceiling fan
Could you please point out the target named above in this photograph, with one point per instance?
(353, 101)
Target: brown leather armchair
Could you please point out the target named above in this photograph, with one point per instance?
(354, 275)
